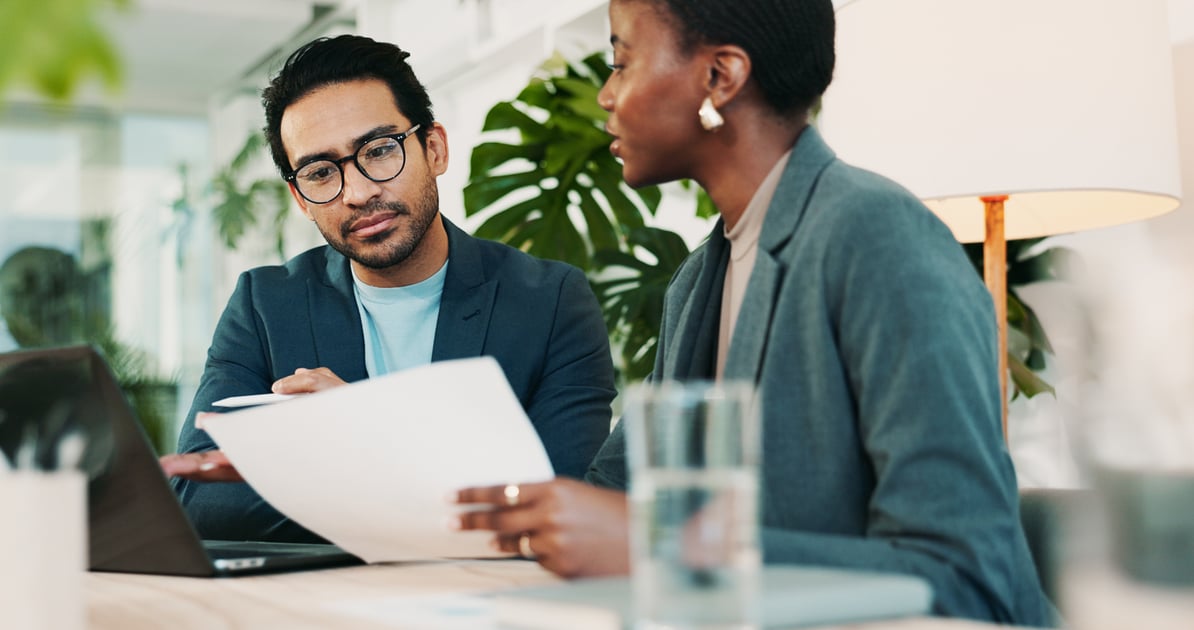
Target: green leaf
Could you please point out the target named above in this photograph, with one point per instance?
(506, 116)
(1026, 381)
(488, 156)
(536, 94)
(574, 205)
(480, 193)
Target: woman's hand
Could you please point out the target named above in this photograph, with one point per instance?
(573, 529)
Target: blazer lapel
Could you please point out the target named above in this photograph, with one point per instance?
(809, 158)
(336, 321)
(754, 319)
(467, 301)
(692, 350)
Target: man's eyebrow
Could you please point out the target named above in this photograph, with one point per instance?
(357, 142)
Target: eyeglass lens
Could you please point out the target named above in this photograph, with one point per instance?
(380, 160)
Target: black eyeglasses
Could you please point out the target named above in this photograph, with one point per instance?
(380, 159)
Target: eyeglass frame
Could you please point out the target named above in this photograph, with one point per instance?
(355, 157)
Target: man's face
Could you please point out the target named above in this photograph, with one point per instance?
(377, 224)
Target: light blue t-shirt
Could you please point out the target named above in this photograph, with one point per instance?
(399, 322)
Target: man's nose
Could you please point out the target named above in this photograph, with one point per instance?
(358, 189)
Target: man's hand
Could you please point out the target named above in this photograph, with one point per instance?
(204, 466)
(305, 381)
(572, 528)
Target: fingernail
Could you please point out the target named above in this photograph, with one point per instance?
(454, 523)
(207, 466)
(494, 544)
(450, 497)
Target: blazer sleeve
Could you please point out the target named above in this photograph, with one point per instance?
(916, 334)
(238, 363)
(570, 407)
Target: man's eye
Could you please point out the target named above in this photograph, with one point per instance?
(380, 152)
(317, 174)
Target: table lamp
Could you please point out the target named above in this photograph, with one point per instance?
(1010, 118)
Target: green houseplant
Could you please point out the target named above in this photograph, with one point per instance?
(238, 201)
(557, 193)
(48, 299)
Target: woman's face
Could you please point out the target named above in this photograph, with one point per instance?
(652, 96)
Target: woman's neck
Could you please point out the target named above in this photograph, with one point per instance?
(742, 165)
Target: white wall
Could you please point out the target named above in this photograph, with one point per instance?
(1145, 273)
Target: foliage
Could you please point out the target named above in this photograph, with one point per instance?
(47, 299)
(53, 45)
(237, 205)
(1027, 342)
(558, 193)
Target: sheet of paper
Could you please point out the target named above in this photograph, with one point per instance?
(251, 400)
(370, 465)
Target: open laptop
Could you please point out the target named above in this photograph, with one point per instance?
(135, 522)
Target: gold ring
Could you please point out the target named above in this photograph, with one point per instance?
(524, 546)
(511, 491)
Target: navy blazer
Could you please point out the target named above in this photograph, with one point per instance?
(872, 341)
(538, 318)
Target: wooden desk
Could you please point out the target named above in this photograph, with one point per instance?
(310, 599)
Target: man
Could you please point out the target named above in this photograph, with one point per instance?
(351, 129)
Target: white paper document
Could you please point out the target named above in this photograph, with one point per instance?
(370, 465)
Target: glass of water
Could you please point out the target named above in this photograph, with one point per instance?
(694, 474)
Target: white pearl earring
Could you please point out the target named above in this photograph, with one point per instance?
(711, 119)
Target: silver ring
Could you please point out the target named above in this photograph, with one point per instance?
(511, 491)
(524, 546)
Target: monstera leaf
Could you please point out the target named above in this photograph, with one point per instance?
(632, 294)
(1028, 344)
(557, 192)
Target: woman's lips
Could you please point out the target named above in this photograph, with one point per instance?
(615, 147)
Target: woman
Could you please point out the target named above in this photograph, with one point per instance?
(869, 334)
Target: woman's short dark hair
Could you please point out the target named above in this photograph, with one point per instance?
(790, 42)
(327, 61)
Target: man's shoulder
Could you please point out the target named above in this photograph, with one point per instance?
(511, 265)
(273, 283)
(311, 263)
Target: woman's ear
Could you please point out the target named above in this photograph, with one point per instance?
(729, 71)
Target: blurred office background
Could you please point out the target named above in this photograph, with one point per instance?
(113, 196)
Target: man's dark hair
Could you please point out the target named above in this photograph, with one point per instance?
(790, 42)
(328, 61)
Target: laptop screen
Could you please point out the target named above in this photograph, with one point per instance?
(135, 523)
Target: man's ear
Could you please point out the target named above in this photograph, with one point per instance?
(437, 149)
(729, 71)
(302, 203)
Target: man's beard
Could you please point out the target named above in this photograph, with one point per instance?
(394, 248)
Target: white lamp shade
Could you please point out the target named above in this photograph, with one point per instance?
(1065, 105)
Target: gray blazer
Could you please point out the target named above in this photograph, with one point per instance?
(872, 340)
(538, 318)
